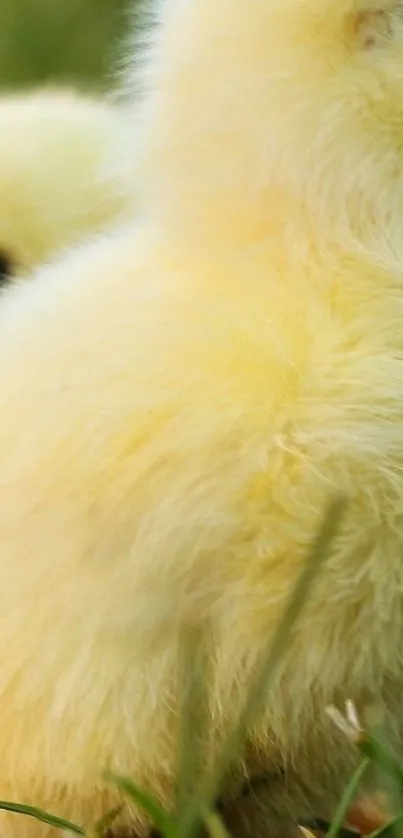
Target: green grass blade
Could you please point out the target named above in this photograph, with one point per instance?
(390, 829)
(159, 817)
(373, 747)
(347, 799)
(280, 642)
(193, 715)
(107, 820)
(40, 815)
(212, 787)
(215, 826)
(374, 744)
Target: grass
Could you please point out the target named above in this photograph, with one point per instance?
(74, 41)
(198, 793)
(46, 41)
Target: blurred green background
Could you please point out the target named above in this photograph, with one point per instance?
(60, 40)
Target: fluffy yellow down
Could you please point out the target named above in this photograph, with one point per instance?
(55, 186)
(180, 399)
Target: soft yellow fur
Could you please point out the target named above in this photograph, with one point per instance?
(180, 399)
(55, 187)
